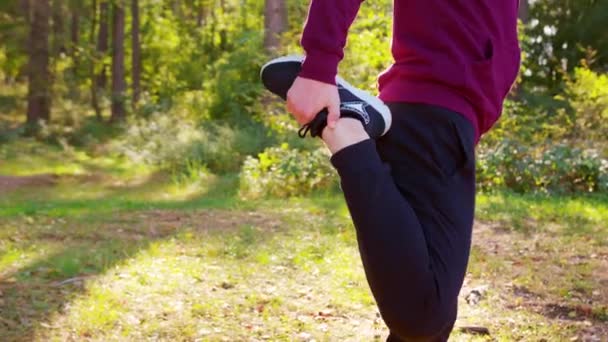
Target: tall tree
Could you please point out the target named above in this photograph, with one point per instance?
(94, 99)
(39, 92)
(119, 85)
(26, 9)
(275, 23)
(58, 27)
(200, 13)
(223, 32)
(136, 52)
(75, 35)
(102, 43)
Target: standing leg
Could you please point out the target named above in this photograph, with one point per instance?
(411, 197)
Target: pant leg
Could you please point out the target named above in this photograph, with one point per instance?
(411, 196)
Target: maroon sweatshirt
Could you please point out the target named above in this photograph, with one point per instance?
(459, 54)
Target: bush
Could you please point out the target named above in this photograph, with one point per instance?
(587, 95)
(233, 86)
(283, 172)
(578, 116)
(173, 141)
(555, 169)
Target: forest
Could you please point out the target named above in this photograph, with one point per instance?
(151, 189)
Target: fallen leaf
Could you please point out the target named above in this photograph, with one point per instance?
(587, 310)
(226, 285)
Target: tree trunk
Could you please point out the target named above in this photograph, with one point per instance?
(200, 13)
(275, 23)
(26, 9)
(74, 53)
(102, 43)
(93, 75)
(75, 35)
(136, 52)
(39, 92)
(177, 10)
(119, 85)
(58, 27)
(524, 11)
(223, 33)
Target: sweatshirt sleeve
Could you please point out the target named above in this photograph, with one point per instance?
(324, 37)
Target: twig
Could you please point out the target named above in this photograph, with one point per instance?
(71, 280)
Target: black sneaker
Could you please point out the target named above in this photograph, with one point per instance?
(279, 74)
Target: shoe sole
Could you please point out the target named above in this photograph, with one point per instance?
(375, 102)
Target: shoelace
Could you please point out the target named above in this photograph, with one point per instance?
(315, 127)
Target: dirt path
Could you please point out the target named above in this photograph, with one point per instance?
(10, 183)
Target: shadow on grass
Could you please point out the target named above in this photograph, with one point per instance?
(98, 235)
(36, 292)
(573, 313)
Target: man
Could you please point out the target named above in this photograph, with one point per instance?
(410, 189)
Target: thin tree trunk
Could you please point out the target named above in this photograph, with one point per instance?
(39, 92)
(275, 23)
(26, 10)
(200, 13)
(119, 85)
(75, 36)
(58, 27)
(74, 53)
(136, 52)
(102, 43)
(93, 75)
(177, 10)
(223, 33)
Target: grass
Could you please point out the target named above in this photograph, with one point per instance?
(108, 252)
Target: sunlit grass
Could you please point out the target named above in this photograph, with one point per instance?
(127, 254)
(576, 215)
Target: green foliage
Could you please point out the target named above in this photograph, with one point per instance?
(203, 109)
(587, 95)
(561, 33)
(283, 172)
(577, 117)
(171, 140)
(554, 169)
(233, 86)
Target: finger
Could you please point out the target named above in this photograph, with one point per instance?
(333, 115)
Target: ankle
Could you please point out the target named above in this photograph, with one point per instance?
(346, 132)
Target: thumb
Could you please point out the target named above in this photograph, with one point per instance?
(333, 114)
